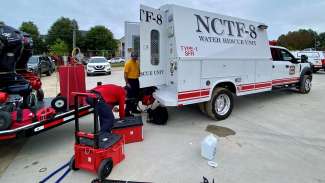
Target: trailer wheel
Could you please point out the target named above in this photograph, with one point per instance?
(221, 104)
(305, 84)
(72, 164)
(5, 120)
(40, 94)
(59, 103)
(105, 168)
(202, 107)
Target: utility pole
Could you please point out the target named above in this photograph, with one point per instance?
(74, 35)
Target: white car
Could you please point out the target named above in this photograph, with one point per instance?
(98, 65)
(117, 60)
(316, 58)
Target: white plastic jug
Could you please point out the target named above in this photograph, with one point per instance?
(209, 147)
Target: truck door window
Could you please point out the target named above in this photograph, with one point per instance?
(154, 47)
(286, 56)
(276, 56)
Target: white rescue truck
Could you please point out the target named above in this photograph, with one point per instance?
(198, 57)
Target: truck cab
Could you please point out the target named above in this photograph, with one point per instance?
(286, 69)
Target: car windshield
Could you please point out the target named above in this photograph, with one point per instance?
(98, 60)
(33, 60)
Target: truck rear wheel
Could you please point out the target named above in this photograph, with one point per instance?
(305, 84)
(221, 104)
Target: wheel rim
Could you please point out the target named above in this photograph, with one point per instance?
(222, 104)
(307, 84)
(59, 103)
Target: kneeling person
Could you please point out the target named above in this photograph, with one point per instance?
(109, 96)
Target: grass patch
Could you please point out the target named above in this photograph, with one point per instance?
(117, 64)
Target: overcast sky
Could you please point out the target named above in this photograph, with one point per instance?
(280, 15)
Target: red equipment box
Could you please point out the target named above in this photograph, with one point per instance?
(131, 128)
(89, 158)
(72, 79)
(95, 152)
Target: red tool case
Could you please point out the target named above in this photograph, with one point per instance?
(96, 152)
(131, 128)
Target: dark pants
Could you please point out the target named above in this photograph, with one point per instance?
(105, 114)
(132, 95)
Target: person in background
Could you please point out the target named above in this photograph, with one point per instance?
(131, 76)
(109, 95)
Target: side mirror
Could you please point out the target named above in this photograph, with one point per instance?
(304, 58)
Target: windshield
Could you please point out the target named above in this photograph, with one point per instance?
(33, 60)
(98, 60)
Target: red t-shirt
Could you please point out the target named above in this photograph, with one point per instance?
(113, 94)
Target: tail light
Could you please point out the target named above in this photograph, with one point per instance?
(323, 62)
(3, 97)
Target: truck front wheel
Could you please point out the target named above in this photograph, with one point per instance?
(221, 104)
(305, 84)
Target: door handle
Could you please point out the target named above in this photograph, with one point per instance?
(287, 66)
(273, 66)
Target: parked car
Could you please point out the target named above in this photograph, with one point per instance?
(316, 58)
(98, 65)
(41, 65)
(117, 60)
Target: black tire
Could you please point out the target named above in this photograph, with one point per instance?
(305, 84)
(48, 73)
(72, 164)
(40, 94)
(109, 73)
(105, 168)
(158, 116)
(5, 120)
(59, 103)
(211, 105)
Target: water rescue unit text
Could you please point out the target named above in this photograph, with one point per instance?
(235, 30)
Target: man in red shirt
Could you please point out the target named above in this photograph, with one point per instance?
(109, 96)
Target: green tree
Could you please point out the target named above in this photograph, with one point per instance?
(321, 38)
(100, 38)
(59, 47)
(298, 40)
(63, 29)
(38, 44)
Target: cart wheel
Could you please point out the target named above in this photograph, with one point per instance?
(5, 120)
(59, 103)
(105, 168)
(40, 94)
(96, 181)
(72, 164)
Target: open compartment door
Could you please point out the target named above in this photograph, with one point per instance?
(152, 47)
